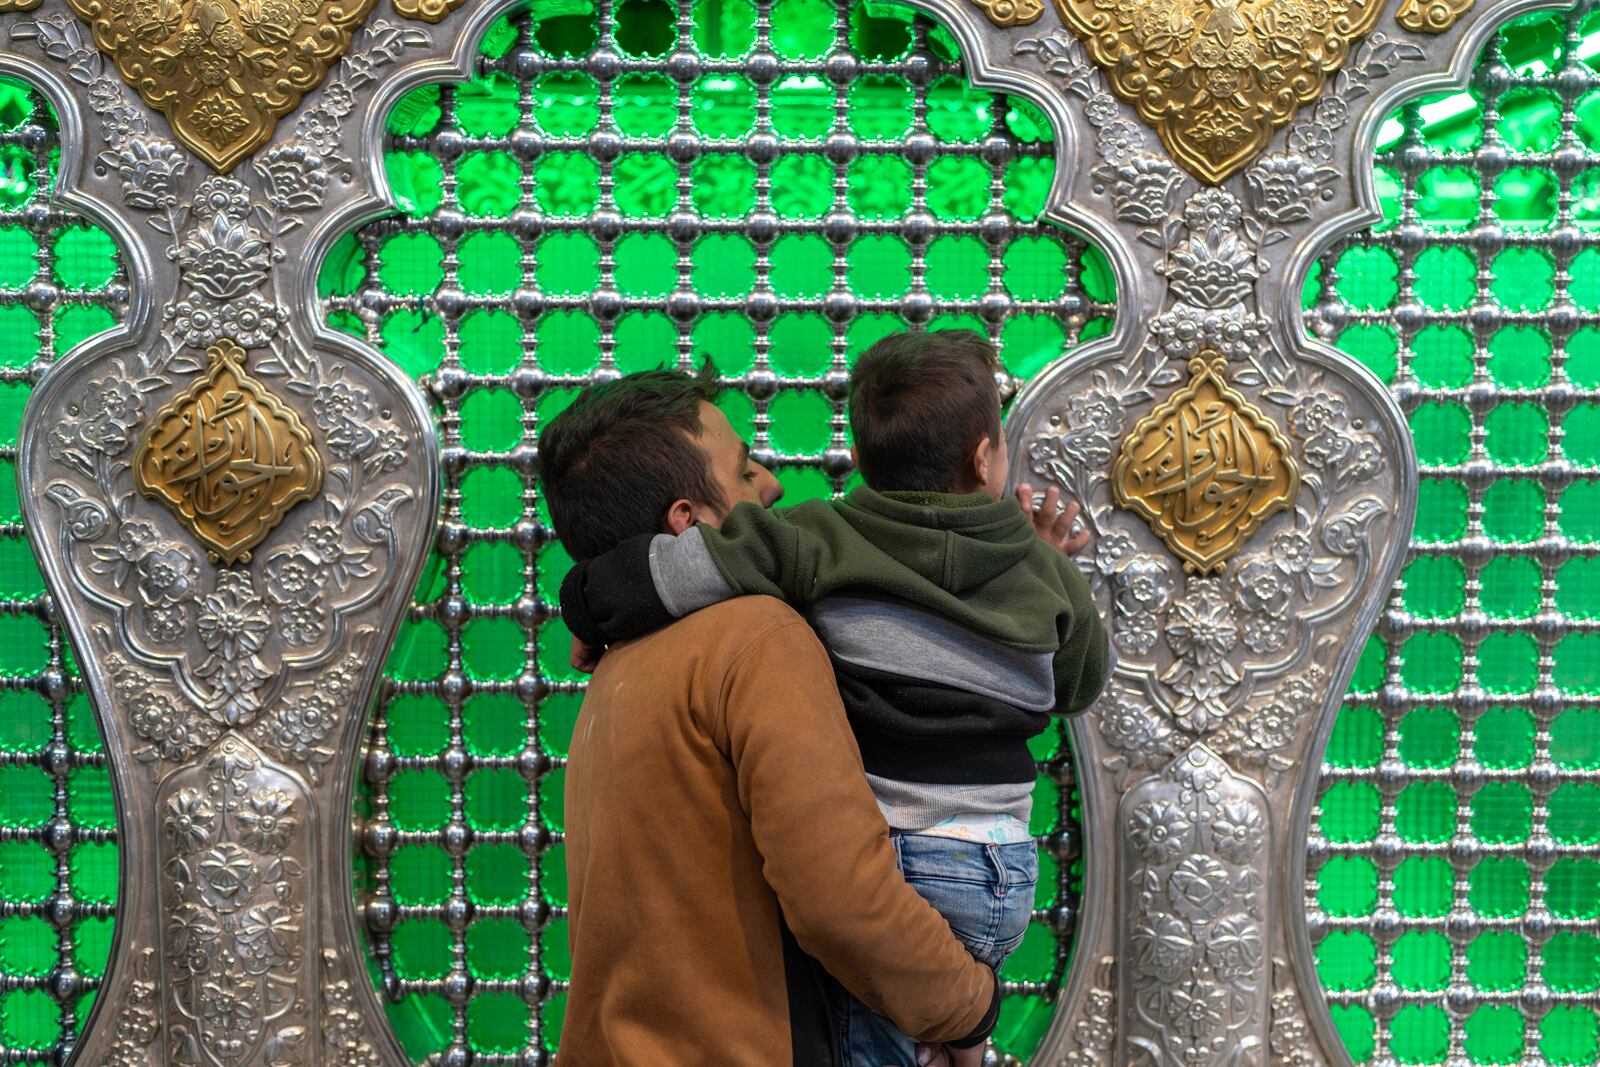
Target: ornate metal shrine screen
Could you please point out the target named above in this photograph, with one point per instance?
(1454, 890)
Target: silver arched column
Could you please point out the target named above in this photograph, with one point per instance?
(1251, 490)
(230, 502)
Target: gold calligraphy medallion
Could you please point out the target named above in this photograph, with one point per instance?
(223, 71)
(1205, 468)
(1216, 78)
(228, 458)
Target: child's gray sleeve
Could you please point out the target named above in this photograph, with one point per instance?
(685, 576)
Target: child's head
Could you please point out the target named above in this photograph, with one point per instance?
(925, 413)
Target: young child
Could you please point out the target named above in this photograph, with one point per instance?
(954, 630)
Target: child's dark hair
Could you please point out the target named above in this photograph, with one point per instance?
(613, 462)
(920, 403)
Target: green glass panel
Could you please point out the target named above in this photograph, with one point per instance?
(1498, 887)
(1420, 1033)
(1497, 960)
(419, 724)
(1347, 960)
(1518, 434)
(1510, 587)
(1348, 886)
(495, 724)
(1421, 960)
(1513, 510)
(1423, 886)
(1429, 737)
(1519, 356)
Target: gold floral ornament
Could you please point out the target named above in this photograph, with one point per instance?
(1431, 16)
(222, 71)
(228, 458)
(1003, 13)
(1205, 468)
(1216, 78)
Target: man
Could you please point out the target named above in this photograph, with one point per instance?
(721, 838)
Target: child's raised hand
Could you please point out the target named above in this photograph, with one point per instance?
(1052, 520)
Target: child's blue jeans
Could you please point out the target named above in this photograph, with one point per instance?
(984, 891)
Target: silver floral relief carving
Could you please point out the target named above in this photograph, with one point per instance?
(1248, 492)
(231, 506)
(239, 909)
(1195, 849)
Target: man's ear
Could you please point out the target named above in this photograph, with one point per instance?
(979, 462)
(679, 517)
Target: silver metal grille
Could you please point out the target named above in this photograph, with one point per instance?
(689, 219)
(1451, 838)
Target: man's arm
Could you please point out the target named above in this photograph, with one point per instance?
(647, 581)
(1083, 663)
(826, 850)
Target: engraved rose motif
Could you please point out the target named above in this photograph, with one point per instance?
(225, 197)
(1142, 188)
(1135, 729)
(1137, 632)
(1163, 947)
(194, 933)
(1211, 209)
(1144, 584)
(1198, 888)
(266, 938)
(302, 625)
(1263, 586)
(1202, 627)
(299, 726)
(1119, 140)
(1282, 187)
(1186, 329)
(229, 1005)
(1215, 270)
(1265, 633)
(197, 321)
(294, 176)
(1160, 831)
(167, 574)
(1291, 550)
(152, 171)
(156, 719)
(1196, 1008)
(190, 818)
(294, 577)
(1233, 947)
(224, 258)
(265, 823)
(1113, 550)
(1238, 832)
(227, 877)
(250, 320)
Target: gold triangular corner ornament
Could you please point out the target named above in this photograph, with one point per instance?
(1217, 78)
(228, 458)
(1205, 468)
(223, 72)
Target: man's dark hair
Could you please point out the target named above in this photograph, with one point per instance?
(613, 462)
(919, 405)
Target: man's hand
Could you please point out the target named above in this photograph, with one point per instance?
(585, 658)
(1053, 520)
(945, 1056)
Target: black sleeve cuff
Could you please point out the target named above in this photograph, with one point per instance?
(612, 597)
(985, 1025)
(575, 608)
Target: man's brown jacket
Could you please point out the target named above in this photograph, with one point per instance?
(720, 838)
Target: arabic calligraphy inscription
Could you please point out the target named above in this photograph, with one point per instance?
(228, 458)
(1205, 468)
